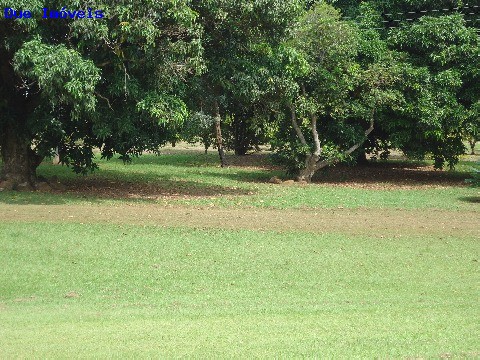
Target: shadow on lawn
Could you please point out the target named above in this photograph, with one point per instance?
(471, 199)
(161, 187)
(151, 186)
(243, 176)
(394, 173)
(96, 189)
(199, 159)
(371, 175)
(44, 198)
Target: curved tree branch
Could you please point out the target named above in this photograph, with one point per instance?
(295, 125)
(324, 163)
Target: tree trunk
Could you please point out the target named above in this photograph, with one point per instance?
(218, 131)
(241, 136)
(324, 163)
(311, 162)
(362, 157)
(56, 158)
(307, 173)
(20, 162)
(206, 141)
(472, 142)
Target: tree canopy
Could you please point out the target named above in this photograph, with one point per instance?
(319, 80)
(113, 83)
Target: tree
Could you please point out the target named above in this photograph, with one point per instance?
(114, 83)
(440, 87)
(330, 95)
(439, 48)
(237, 38)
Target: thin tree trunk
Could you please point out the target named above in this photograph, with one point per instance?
(295, 125)
(218, 132)
(362, 157)
(56, 158)
(312, 162)
(472, 142)
(307, 173)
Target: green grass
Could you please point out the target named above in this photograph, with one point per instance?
(69, 289)
(198, 180)
(328, 197)
(268, 196)
(155, 291)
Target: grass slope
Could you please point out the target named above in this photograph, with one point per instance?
(173, 256)
(102, 290)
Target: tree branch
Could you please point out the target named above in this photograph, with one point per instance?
(104, 98)
(316, 139)
(356, 146)
(296, 127)
(324, 163)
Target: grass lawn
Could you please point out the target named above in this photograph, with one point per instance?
(173, 256)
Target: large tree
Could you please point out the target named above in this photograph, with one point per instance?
(237, 39)
(441, 87)
(334, 78)
(113, 83)
(438, 48)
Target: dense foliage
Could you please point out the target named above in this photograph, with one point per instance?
(321, 81)
(113, 83)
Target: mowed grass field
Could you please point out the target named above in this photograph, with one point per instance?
(172, 256)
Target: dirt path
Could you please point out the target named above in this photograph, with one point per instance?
(356, 222)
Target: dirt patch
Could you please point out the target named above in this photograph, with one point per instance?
(72, 295)
(389, 222)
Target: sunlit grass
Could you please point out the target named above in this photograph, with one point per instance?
(72, 290)
(198, 289)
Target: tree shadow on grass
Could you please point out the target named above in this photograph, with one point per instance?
(242, 176)
(98, 188)
(470, 199)
(196, 159)
(199, 159)
(391, 174)
(162, 187)
(395, 174)
(42, 198)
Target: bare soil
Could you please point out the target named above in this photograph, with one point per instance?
(347, 221)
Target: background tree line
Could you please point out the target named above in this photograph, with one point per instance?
(318, 81)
